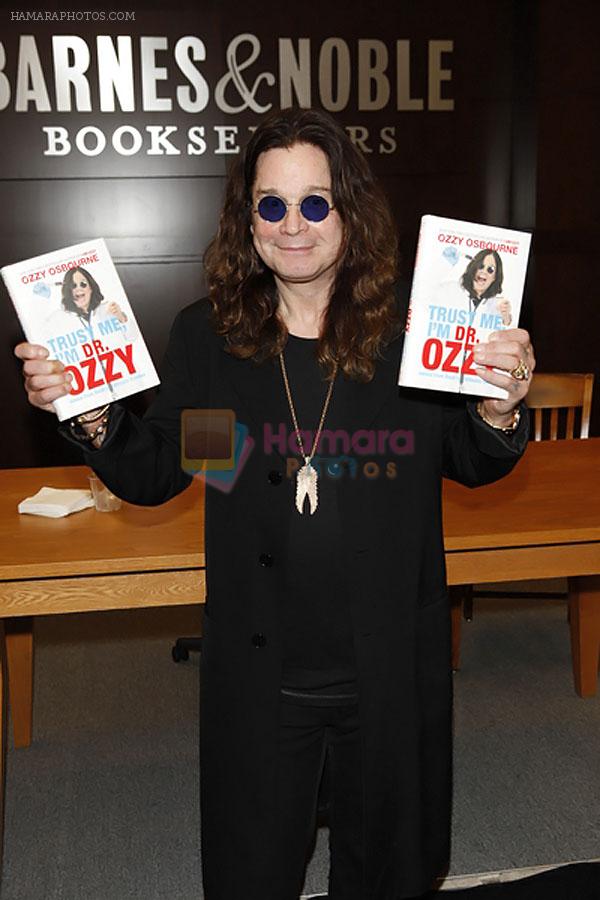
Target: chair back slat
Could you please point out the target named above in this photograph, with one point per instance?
(586, 411)
(558, 392)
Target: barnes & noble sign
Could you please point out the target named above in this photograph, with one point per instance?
(172, 78)
(177, 91)
(181, 78)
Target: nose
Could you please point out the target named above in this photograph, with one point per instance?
(293, 222)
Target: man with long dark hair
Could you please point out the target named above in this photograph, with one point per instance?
(326, 627)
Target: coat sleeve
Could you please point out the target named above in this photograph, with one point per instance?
(140, 459)
(475, 453)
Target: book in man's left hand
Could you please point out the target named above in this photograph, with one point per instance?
(468, 282)
(73, 303)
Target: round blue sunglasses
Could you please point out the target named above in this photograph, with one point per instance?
(313, 208)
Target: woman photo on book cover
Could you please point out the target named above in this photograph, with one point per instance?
(81, 297)
(482, 280)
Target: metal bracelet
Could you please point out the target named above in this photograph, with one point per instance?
(88, 437)
(99, 430)
(92, 415)
(507, 429)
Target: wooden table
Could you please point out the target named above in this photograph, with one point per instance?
(542, 521)
(90, 561)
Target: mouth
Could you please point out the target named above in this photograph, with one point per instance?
(297, 251)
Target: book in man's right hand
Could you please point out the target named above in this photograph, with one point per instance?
(72, 302)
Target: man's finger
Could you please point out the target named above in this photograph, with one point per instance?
(31, 351)
(42, 367)
(38, 382)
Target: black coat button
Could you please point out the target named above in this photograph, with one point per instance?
(266, 560)
(259, 640)
(275, 477)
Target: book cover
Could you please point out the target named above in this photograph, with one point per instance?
(72, 302)
(468, 282)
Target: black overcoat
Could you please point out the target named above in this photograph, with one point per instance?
(393, 549)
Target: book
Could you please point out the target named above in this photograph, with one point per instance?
(73, 303)
(468, 282)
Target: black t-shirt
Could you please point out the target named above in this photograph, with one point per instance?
(319, 659)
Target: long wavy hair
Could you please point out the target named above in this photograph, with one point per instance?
(67, 291)
(472, 269)
(362, 315)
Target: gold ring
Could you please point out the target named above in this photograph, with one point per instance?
(521, 372)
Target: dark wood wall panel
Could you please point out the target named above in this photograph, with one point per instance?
(142, 219)
(567, 309)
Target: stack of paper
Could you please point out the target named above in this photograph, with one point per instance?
(56, 502)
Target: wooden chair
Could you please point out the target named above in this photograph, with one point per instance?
(553, 400)
(553, 393)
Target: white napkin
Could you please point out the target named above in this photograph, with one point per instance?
(56, 502)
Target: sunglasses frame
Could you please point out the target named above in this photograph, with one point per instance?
(286, 206)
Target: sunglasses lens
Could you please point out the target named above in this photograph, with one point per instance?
(314, 208)
(271, 209)
(490, 270)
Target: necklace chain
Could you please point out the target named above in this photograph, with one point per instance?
(288, 392)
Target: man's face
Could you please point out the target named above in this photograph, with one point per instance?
(81, 291)
(485, 274)
(295, 249)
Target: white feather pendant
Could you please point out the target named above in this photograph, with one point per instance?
(306, 485)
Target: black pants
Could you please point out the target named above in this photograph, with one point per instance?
(307, 734)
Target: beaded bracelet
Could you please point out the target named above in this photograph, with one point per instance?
(99, 430)
(88, 436)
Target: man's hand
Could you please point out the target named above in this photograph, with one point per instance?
(504, 308)
(45, 379)
(504, 350)
(116, 311)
